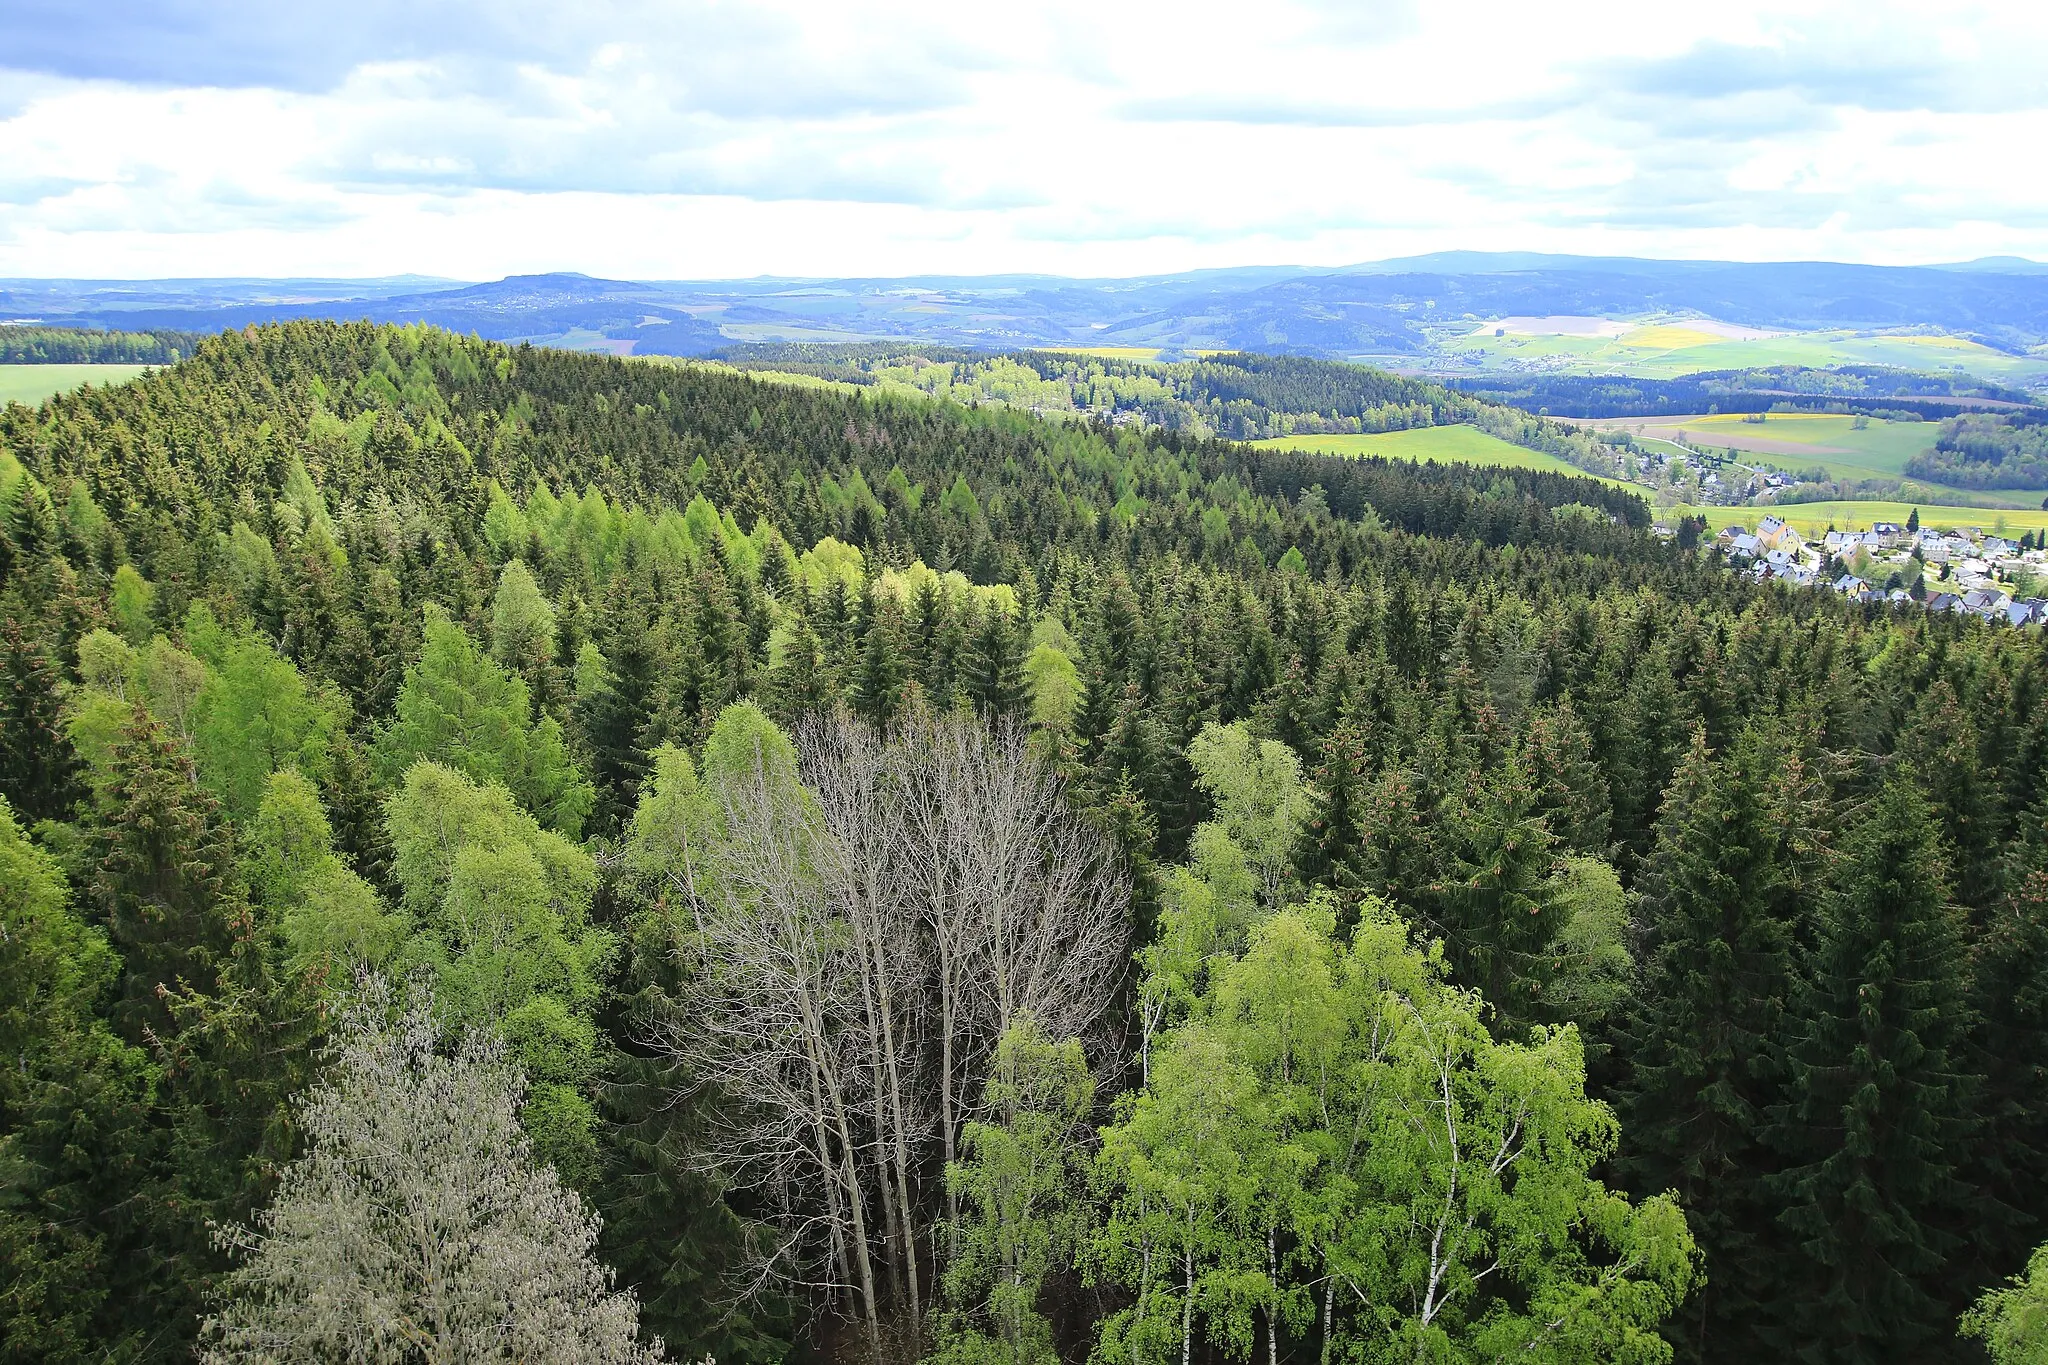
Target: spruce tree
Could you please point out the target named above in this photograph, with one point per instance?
(197, 990)
(878, 689)
(799, 685)
(1333, 851)
(995, 667)
(38, 770)
(926, 626)
(1288, 710)
(1878, 1111)
(1106, 664)
(611, 711)
(76, 1281)
(166, 881)
(1496, 900)
(1130, 752)
(1401, 857)
(354, 800)
(1940, 742)
(2009, 980)
(1721, 895)
(1571, 791)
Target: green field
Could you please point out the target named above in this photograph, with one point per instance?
(1802, 440)
(1794, 440)
(33, 383)
(1667, 350)
(1458, 444)
(1879, 450)
(1813, 518)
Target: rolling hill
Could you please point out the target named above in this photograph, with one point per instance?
(1413, 311)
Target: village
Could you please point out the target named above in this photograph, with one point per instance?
(1965, 571)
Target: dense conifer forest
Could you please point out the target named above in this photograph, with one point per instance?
(1988, 450)
(25, 345)
(509, 854)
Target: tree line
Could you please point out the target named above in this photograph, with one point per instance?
(1877, 390)
(25, 345)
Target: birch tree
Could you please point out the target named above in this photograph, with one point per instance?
(1433, 1182)
(1026, 907)
(418, 1226)
(869, 914)
(1021, 1182)
(776, 989)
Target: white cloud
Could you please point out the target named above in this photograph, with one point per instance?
(709, 138)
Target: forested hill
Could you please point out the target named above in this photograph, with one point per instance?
(817, 806)
(1239, 395)
(422, 414)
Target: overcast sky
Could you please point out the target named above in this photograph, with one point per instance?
(685, 139)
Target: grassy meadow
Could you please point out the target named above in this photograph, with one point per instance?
(1452, 445)
(1463, 444)
(1802, 440)
(1793, 440)
(31, 384)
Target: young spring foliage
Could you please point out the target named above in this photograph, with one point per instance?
(1334, 1137)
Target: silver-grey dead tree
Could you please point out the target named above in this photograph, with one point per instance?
(776, 985)
(870, 914)
(861, 803)
(1027, 908)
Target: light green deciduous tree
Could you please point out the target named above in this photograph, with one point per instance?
(459, 708)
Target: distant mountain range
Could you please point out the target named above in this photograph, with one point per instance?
(1384, 310)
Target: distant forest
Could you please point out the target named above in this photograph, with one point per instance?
(78, 346)
(1988, 450)
(1872, 389)
(1240, 396)
(507, 853)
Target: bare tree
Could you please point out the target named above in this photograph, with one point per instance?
(862, 805)
(418, 1226)
(1026, 907)
(777, 985)
(865, 936)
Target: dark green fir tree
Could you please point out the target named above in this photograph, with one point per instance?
(2009, 978)
(166, 881)
(38, 771)
(355, 810)
(1722, 893)
(994, 676)
(798, 685)
(1879, 1111)
(878, 687)
(1495, 899)
(1333, 851)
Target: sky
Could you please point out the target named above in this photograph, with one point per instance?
(698, 139)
